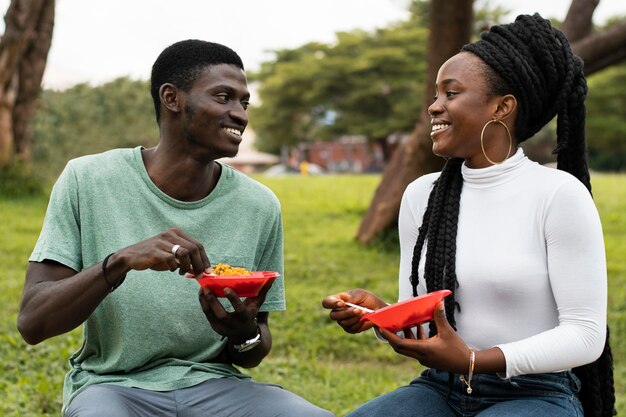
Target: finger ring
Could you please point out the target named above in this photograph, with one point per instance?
(175, 248)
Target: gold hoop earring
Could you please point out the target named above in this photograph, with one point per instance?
(482, 145)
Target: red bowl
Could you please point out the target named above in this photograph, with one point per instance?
(243, 285)
(407, 313)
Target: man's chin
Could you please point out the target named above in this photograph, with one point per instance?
(227, 153)
(232, 154)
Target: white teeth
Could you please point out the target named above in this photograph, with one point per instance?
(438, 127)
(233, 131)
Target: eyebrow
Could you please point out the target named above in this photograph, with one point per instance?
(447, 81)
(229, 89)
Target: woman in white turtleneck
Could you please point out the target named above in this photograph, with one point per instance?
(519, 244)
(529, 261)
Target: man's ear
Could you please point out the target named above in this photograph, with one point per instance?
(507, 105)
(170, 97)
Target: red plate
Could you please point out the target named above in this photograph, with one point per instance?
(407, 313)
(243, 285)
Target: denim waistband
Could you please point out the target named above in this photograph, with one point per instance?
(552, 389)
(563, 381)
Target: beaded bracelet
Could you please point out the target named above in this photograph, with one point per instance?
(468, 381)
(104, 274)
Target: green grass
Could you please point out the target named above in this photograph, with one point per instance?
(311, 356)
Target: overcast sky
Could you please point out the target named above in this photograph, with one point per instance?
(98, 40)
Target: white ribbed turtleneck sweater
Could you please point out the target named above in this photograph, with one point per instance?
(530, 263)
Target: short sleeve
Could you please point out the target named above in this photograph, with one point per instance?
(59, 239)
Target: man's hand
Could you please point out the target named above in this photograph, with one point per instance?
(157, 253)
(238, 325)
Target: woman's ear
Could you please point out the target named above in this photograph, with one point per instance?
(507, 105)
(170, 97)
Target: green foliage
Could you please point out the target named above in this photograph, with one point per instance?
(311, 356)
(83, 120)
(364, 84)
(19, 180)
(606, 119)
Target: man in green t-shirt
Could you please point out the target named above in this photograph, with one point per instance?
(122, 231)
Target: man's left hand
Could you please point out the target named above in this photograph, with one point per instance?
(238, 325)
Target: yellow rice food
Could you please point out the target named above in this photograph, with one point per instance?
(225, 269)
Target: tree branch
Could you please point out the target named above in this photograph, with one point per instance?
(602, 49)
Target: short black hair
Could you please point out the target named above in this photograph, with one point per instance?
(181, 63)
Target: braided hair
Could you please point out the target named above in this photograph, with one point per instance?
(533, 61)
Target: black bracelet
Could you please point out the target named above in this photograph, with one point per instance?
(104, 274)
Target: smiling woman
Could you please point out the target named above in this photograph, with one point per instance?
(457, 133)
(498, 230)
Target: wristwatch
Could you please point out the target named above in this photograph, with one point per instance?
(250, 343)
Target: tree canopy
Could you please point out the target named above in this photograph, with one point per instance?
(364, 84)
(85, 119)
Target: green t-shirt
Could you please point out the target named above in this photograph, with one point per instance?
(151, 332)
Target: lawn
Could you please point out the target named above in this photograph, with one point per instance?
(311, 356)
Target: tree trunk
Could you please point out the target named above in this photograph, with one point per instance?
(450, 24)
(414, 157)
(578, 23)
(23, 53)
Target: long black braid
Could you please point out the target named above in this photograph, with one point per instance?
(533, 61)
(439, 228)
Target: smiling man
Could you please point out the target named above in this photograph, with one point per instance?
(122, 230)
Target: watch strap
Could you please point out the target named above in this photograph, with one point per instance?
(250, 343)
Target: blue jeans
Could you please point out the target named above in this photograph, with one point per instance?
(550, 395)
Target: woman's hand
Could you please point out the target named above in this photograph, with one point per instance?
(348, 317)
(446, 351)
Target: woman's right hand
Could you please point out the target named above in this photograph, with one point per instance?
(349, 317)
